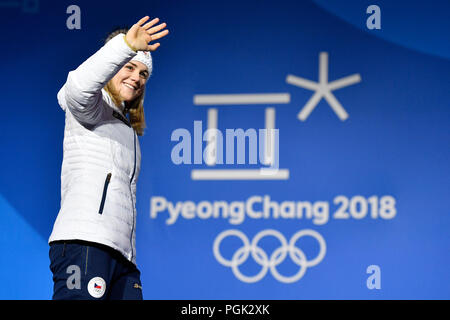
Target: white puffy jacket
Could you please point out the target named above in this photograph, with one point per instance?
(101, 158)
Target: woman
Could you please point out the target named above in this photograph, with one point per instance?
(92, 245)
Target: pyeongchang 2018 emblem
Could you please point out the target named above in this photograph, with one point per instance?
(277, 257)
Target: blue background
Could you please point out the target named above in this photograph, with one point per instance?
(395, 142)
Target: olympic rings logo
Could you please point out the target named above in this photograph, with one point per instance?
(276, 258)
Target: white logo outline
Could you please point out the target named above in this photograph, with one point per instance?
(276, 258)
(323, 89)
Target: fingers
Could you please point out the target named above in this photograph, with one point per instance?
(140, 22)
(159, 35)
(157, 28)
(150, 24)
(150, 32)
(153, 47)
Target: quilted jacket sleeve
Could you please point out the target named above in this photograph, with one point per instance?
(82, 92)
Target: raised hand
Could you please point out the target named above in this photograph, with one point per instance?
(140, 35)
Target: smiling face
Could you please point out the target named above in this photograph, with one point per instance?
(129, 82)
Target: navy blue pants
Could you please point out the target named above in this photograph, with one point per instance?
(90, 271)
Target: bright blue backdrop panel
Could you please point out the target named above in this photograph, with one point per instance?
(394, 143)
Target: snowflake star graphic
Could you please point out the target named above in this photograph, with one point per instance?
(323, 89)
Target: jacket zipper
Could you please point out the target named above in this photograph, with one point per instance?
(131, 193)
(105, 189)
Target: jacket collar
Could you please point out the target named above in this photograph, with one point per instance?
(118, 113)
(121, 117)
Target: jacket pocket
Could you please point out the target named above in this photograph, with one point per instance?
(105, 190)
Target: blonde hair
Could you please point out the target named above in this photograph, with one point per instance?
(136, 107)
